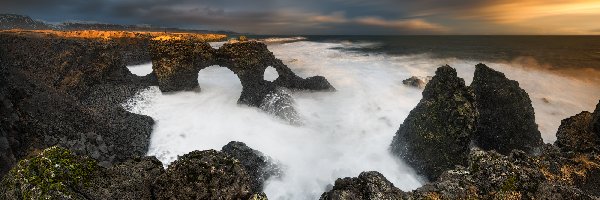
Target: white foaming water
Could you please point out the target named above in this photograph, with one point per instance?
(344, 132)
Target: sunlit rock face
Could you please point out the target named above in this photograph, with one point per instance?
(436, 134)
(506, 116)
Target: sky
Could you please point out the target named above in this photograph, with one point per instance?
(372, 17)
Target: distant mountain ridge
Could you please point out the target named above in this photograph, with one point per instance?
(14, 21)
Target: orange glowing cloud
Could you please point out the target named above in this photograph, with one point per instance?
(505, 11)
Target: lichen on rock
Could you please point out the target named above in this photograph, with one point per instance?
(55, 173)
(436, 134)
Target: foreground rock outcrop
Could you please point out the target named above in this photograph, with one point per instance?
(368, 185)
(436, 134)
(67, 92)
(576, 134)
(506, 116)
(57, 173)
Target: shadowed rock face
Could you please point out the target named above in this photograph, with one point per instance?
(436, 134)
(57, 91)
(596, 120)
(506, 117)
(259, 167)
(368, 185)
(575, 134)
(204, 175)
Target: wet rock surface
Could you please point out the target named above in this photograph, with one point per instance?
(417, 81)
(368, 185)
(259, 167)
(506, 116)
(436, 134)
(57, 91)
(204, 175)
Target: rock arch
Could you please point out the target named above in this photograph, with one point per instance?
(176, 64)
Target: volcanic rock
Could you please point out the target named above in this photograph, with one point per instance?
(506, 117)
(436, 134)
(204, 175)
(368, 185)
(258, 166)
(176, 62)
(417, 81)
(575, 134)
(67, 92)
(596, 120)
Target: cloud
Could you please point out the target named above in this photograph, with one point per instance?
(410, 24)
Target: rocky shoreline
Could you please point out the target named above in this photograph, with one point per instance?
(63, 134)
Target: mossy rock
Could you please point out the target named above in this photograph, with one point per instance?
(55, 173)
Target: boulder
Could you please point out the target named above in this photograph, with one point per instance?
(176, 62)
(575, 134)
(281, 104)
(506, 117)
(258, 166)
(417, 81)
(436, 134)
(204, 175)
(368, 185)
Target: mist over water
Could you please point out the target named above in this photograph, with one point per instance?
(344, 132)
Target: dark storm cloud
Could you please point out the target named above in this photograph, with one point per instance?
(309, 16)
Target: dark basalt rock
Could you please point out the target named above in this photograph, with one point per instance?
(281, 104)
(368, 185)
(596, 120)
(132, 179)
(436, 134)
(575, 134)
(176, 63)
(57, 91)
(506, 117)
(490, 175)
(416, 81)
(204, 175)
(259, 167)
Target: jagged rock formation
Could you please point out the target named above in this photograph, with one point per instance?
(258, 166)
(596, 120)
(575, 134)
(506, 117)
(56, 173)
(368, 185)
(490, 175)
(204, 175)
(57, 91)
(417, 81)
(436, 134)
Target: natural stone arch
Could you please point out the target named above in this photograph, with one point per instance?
(176, 64)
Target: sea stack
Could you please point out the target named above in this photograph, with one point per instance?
(506, 117)
(436, 134)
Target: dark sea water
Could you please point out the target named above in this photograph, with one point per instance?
(552, 51)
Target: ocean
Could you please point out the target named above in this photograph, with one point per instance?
(349, 131)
